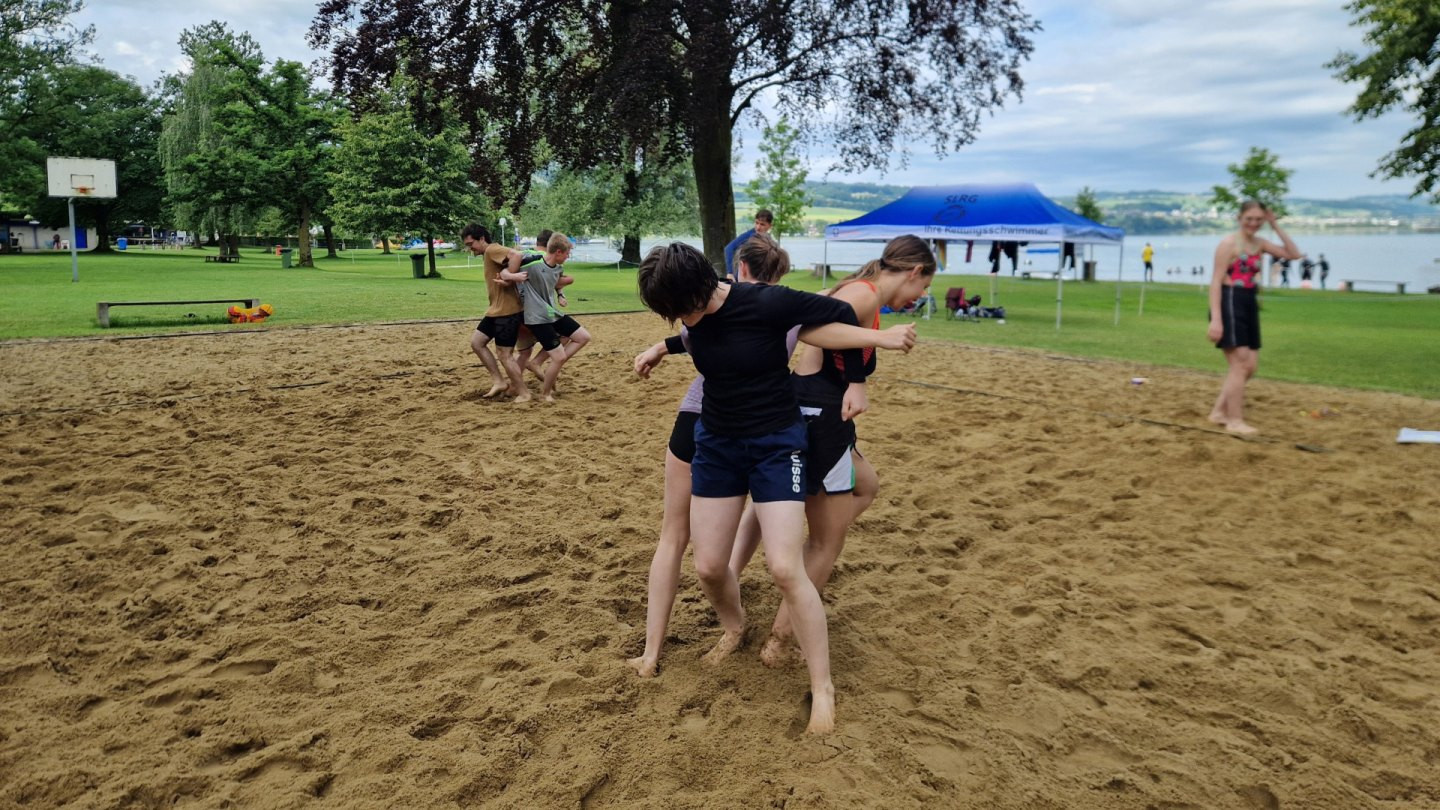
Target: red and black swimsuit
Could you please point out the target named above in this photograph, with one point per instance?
(1239, 307)
(1244, 270)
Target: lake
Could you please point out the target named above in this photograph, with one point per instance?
(1408, 257)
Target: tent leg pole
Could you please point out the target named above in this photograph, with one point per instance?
(1059, 289)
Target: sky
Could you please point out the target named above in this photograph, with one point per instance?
(1120, 95)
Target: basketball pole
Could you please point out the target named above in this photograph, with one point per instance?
(74, 256)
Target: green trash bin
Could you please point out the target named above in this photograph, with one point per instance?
(417, 264)
(285, 254)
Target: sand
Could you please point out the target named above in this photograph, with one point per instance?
(294, 568)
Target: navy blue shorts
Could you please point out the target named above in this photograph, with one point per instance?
(769, 468)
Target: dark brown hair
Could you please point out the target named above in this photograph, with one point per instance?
(675, 280)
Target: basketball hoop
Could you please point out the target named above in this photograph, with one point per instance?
(83, 191)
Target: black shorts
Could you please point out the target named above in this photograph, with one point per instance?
(830, 438)
(504, 330)
(1240, 316)
(682, 436)
(548, 334)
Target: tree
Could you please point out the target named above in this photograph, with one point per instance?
(779, 182)
(35, 38)
(617, 201)
(1402, 72)
(1258, 178)
(1087, 206)
(579, 72)
(389, 176)
(96, 113)
(290, 126)
(213, 179)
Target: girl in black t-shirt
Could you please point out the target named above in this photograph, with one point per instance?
(841, 482)
(750, 440)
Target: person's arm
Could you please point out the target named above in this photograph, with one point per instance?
(512, 272)
(646, 361)
(1287, 250)
(838, 336)
(1216, 329)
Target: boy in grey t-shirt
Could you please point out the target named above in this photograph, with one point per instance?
(544, 320)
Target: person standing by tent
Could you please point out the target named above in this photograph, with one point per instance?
(764, 221)
(1307, 272)
(1147, 255)
(1324, 270)
(1235, 309)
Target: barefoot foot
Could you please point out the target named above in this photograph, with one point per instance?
(495, 389)
(729, 642)
(523, 396)
(777, 651)
(822, 710)
(644, 667)
(1218, 418)
(1241, 428)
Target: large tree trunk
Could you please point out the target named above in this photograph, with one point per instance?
(102, 230)
(385, 245)
(307, 257)
(330, 241)
(630, 249)
(430, 251)
(710, 108)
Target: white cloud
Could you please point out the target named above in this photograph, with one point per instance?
(1119, 94)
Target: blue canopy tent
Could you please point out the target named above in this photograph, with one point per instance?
(987, 212)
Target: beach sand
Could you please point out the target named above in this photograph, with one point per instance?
(311, 567)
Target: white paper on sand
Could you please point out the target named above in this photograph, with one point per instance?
(1413, 436)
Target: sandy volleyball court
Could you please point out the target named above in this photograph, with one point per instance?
(298, 568)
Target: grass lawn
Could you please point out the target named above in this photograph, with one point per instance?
(1360, 340)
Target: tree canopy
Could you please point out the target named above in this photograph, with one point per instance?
(592, 78)
(36, 37)
(1258, 178)
(390, 176)
(1402, 72)
(1088, 206)
(96, 113)
(779, 182)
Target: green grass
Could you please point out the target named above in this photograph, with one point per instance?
(1359, 340)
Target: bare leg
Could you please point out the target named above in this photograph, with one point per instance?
(782, 529)
(712, 531)
(828, 527)
(479, 343)
(665, 567)
(512, 369)
(747, 539)
(867, 484)
(828, 517)
(1242, 362)
(552, 373)
(578, 340)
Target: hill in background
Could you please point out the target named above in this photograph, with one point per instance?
(1151, 211)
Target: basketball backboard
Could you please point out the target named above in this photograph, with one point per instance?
(82, 178)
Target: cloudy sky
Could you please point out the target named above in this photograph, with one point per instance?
(1120, 94)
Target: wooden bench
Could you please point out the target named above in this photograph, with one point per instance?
(225, 259)
(1350, 284)
(102, 309)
